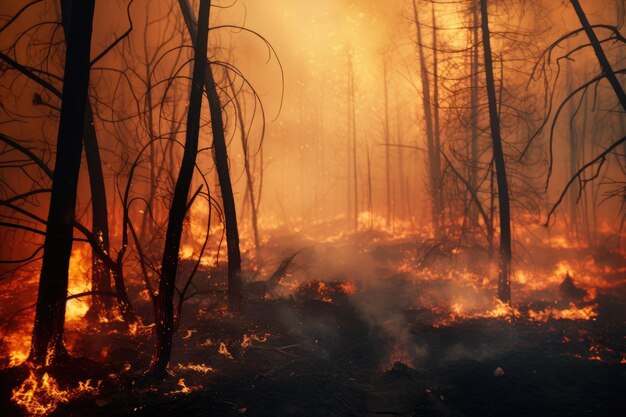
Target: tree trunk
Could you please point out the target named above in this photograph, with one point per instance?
(223, 173)
(100, 274)
(474, 111)
(597, 48)
(47, 341)
(504, 267)
(438, 178)
(387, 146)
(246, 165)
(428, 119)
(165, 300)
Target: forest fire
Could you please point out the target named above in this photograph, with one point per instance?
(340, 207)
(41, 395)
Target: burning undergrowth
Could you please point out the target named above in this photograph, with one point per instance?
(351, 307)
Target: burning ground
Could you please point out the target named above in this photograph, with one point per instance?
(362, 324)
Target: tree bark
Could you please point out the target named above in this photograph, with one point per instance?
(47, 341)
(167, 283)
(504, 267)
(221, 163)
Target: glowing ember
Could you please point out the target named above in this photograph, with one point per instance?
(195, 367)
(183, 388)
(248, 339)
(223, 350)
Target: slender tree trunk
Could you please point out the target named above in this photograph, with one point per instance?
(504, 268)
(428, 119)
(246, 165)
(597, 48)
(387, 145)
(47, 341)
(474, 110)
(573, 158)
(221, 163)
(438, 177)
(100, 274)
(167, 284)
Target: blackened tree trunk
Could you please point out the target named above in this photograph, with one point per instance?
(223, 173)
(474, 110)
(47, 341)
(167, 283)
(600, 55)
(428, 119)
(504, 267)
(100, 273)
(246, 164)
(438, 192)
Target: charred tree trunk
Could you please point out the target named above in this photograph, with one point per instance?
(167, 283)
(573, 158)
(504, 267)
(47, 341)
(223, 173)
(597, 48)
(428, 119)
(246, 164)
(100, 273)
(474, 111)
(438, 192)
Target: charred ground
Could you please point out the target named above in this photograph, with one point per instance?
(318, 343)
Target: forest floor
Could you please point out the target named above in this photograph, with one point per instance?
(322, 347)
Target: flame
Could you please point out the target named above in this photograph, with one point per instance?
(41, 396)
(183, 388)
(572, 313)
(79, 281)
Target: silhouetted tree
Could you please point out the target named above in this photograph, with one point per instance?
(47, 341)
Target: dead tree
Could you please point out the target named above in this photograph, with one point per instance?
(474, 109)
(164, 310)
(504, 267)
(100, 274)
(47, 341)
(433, 157)
(607, 70)
(246, 162)
(223, 173)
